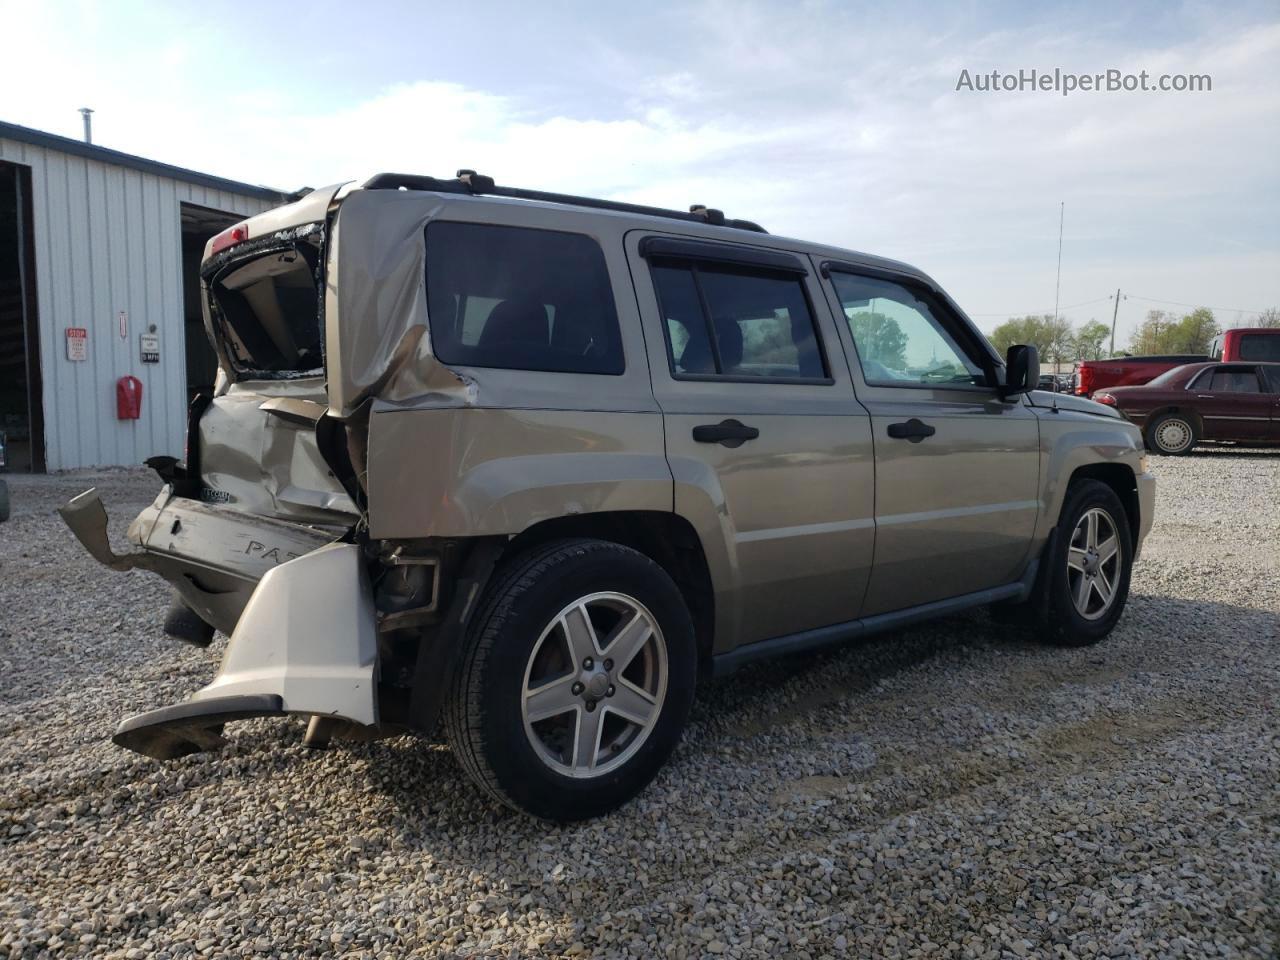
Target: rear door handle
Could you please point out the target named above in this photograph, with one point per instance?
(914, 430)
(729, 433)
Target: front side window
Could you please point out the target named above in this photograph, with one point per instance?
(900, 338)
(521, 299)
(737, 321)
(1234, 381)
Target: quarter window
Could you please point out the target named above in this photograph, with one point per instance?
(901, 340)
(726, 320)
(521, 299)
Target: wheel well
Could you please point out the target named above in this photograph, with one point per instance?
(667, 539)
(1120, 479)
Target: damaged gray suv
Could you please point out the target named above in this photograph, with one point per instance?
(527, 465)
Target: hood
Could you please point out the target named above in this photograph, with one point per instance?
(1067, 401)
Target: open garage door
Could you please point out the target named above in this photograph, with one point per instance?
(198, 225)
(21, 413)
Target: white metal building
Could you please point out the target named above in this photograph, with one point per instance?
(99, 258)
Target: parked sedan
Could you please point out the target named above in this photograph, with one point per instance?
(1203, 401)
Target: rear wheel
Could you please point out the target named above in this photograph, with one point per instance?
(577, 680)
(1171, 433)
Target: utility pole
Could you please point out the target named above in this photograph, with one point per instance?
(1057, 284)
(1114, 313)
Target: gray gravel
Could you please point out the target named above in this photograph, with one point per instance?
(947, 791)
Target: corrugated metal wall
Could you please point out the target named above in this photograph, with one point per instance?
(108, 239)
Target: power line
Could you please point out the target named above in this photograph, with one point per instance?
(1177, 303)
(1025, 313)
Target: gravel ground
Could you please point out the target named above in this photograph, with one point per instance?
(946, 791)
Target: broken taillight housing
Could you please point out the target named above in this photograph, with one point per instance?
(229, 238)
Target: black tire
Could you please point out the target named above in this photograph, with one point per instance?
(1171, 424)
(484, 716)
(1052, 611)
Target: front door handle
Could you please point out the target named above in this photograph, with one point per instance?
(914, 430)
(729, 433)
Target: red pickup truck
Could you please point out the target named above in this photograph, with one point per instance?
(1093, 375)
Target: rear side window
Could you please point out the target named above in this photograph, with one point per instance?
(1234, 381)
(736, 321)
(521, 299)
(1260, 346)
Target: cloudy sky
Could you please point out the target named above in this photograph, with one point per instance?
(837, 122)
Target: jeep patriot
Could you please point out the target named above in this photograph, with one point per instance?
(524, 466)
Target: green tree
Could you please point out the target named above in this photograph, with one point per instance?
(1090, 340)
(1194, 332)
(1032, 330)
(1154, 334)
(879, 338)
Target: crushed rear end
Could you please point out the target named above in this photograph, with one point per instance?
(256, 531)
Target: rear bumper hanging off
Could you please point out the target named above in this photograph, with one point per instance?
(305, 644)
(193, 726)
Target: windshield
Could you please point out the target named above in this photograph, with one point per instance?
(267, 312)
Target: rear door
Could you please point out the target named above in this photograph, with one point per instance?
(1233, 403)
(957, 468)
(770, 451)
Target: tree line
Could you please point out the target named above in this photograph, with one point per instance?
(1057, 340)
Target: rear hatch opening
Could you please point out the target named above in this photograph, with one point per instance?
(267, 310)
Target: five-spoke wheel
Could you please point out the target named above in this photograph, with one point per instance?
(1094, 563)
(594, 684)
(576, 680)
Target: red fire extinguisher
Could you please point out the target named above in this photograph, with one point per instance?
(128, 398)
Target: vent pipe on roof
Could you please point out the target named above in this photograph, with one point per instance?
(88, 123)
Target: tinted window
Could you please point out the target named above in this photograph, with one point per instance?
(1260, 346)
(1234, 381)
(725, 320)
(901, 340)
(521, 299)
(1271, 375)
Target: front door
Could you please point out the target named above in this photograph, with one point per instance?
(957, 468)
(1233, 404)
(770, 451)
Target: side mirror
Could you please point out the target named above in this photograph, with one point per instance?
(1021, 370)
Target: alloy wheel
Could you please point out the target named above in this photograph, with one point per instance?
(1094, 563)
(594, 685)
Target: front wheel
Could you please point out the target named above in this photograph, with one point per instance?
(577, 680)
(1084, 580)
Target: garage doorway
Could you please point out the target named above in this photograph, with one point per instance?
(198, 225)
(21, 412)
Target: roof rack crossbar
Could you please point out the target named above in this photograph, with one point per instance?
(469, 182)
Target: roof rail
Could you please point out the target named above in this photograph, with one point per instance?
(472, 183)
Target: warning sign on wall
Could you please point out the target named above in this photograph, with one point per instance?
(77, 343)
(150, 347)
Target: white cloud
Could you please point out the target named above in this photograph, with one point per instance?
(819, 123)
